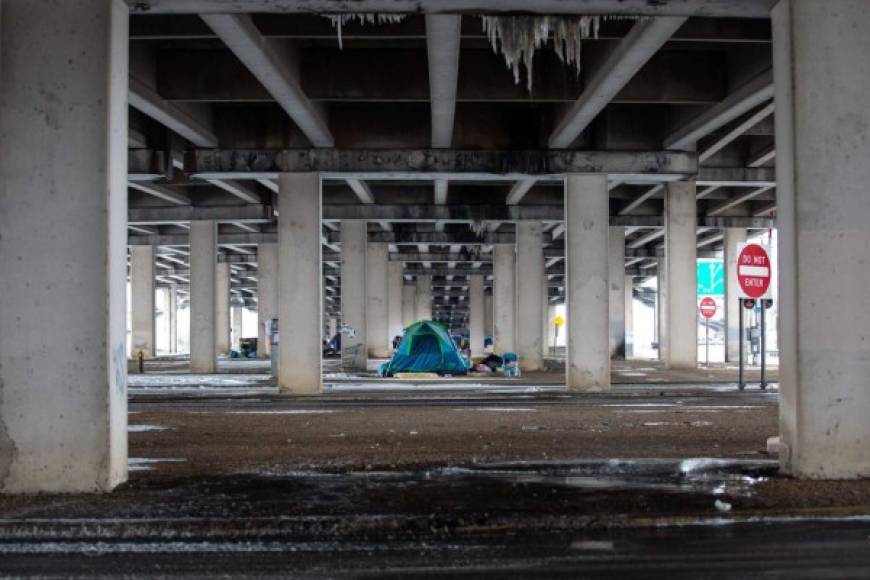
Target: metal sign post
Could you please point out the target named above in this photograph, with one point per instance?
(748, 304)
(708, 310)
(765, 305)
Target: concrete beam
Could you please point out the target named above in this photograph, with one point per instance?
(644, 39)
(442, 46)
(743, 100)
(362, 191)
(714, 8)
(738, 199)
(637, 202)
(441, 186)
(238, 189)
(763, 157)
(519, 190)
(443, 163)
(161, 192)
(736, 132)
(736, 176)
(136, 140)
(148, 102)
(269, 67)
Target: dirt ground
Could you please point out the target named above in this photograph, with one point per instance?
(251, 439)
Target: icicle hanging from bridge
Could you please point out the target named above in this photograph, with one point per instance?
(518, 37)
(339, 20)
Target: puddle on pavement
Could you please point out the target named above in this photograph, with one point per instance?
(704, 476)
(714, 476)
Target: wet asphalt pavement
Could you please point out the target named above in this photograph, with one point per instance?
(603, 518)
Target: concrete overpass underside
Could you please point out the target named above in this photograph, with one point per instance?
(171, 170)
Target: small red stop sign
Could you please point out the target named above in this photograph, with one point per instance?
(708, 307)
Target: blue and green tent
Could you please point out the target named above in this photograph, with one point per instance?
(426, 347)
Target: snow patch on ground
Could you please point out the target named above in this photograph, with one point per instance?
(146, 463)
(197, 380)
(144, 428)
(445, 385)
(500, 409)
(284, 412)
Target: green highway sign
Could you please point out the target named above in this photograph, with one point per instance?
(711, 277)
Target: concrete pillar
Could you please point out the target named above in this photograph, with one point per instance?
(395, 287)
(300, 282)
(504, 310)
(237, 327)
(487, 315)
(661, 310)
(733, 237)
(377, 325)
(409, 304)
(267, 294)
(475, 314)
(222, 321)
(353, 293)
(63, 254)
(822, 78)
(333, 328)
(681, 306)
(203, 266)
(587, 217)
(172, 322)
(423, 308)
(545, 318)
(616, 283)
(530, 275)
(628, 301)
(142, 293)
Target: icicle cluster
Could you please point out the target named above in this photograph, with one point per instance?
(339, 20)
(518, 37)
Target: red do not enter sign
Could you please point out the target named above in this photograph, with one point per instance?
(708, 307)
(753, 271)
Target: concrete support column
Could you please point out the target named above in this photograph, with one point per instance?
(142, 293)
(409, 304)
(733, 237)
(237, 327)
(681, 252)
(504, 309)
(377, 325)
(203, 304)
(475, 314)
(530, 276)
(267, 294)
(63, 253)
(545, 318)
(173, 319)
(222, 319)
(353, 293)
(587, 218)
(487, 315)
(661, 311)
(300, 282)
(616, 283)
(333, 328)
(395, 286)
(822, 78)
(628, 301)
(423, 307)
